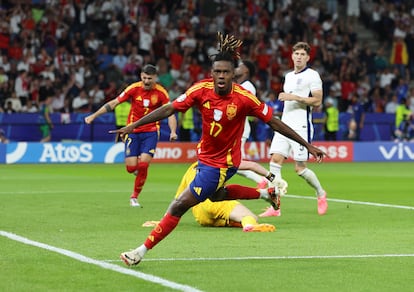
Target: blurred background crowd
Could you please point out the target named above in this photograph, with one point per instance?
(83, 53)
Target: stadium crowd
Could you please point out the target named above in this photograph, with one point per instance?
(83, 53)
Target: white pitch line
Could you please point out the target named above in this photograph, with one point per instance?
(286, 257)
(353, 202)
(102, 264)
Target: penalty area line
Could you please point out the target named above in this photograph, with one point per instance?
(102, 264)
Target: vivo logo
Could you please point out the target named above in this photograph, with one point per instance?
(62, 153)
(399, 151)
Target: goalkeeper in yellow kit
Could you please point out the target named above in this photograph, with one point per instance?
(229, 213)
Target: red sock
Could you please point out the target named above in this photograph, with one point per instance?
(131, 168)
(235, 192)
(166, 225)
(140, 178)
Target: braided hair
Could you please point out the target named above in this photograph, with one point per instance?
(227, 49)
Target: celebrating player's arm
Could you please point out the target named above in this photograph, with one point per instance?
(160, 113)
(106, 108)
(277, 125)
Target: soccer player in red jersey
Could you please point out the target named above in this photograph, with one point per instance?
(224, 106)
(145, 96)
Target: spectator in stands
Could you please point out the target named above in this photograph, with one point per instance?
(399, 55)
(378, 101)
(175, 91)
(104, 58)
(165, 77)
(3, 75)
(8, 108)
(46, 88)
(357, 110)
(5, 64)
(331, 120)
(67, 106)
(92, 43)
(411, 98)
(29, 107)
(405, 131)
(81, 103)
(391, 105)
(145, 40)
(402, 88)
(114, 25)
(97, 96)
(3, 138)
(110, 91)
(381, 62)
(120, 60)
(350, 133)
(134, 63)
(402, 112)
(21, 85)
(348, 90)
(16, 103)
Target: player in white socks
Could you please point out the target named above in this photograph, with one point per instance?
(302, 90)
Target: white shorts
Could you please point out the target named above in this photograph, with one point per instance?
(287, 147)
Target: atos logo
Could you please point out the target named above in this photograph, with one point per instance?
(66, 153)
(400, 151)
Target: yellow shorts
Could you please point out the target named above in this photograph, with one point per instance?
(207, 213)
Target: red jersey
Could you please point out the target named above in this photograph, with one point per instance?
(223, 120)
(143, 102)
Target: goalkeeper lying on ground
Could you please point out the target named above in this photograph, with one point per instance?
(229, 213)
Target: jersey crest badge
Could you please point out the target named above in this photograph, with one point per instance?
(218, 114)
(146, 102)
(154, 99)
(231, 111)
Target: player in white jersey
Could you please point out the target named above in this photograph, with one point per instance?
(243, 75)
(302, 90)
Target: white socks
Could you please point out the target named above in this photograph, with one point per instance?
(312, 180)
(141, 250)
(275, 169)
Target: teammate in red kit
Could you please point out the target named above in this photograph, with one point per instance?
(224, 106)
(145, 96)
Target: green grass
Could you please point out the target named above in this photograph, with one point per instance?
(84, 209)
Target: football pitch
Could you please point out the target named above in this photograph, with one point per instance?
(63, 226)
